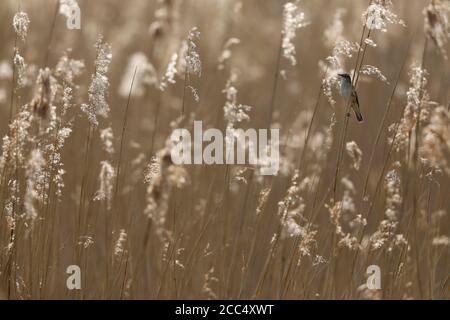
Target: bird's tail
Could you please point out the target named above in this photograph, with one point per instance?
(355, 106)
(358, 115)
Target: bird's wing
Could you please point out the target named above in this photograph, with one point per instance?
(355, 97)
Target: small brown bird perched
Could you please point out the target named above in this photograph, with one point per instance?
(348, 90)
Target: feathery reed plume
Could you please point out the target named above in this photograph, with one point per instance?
(226, 52)
(379, 14)
(21, 23)
(293, 223)
(106, 181)
(161, 176)
(416, 96)
(386, 236)
(13, 147)
(372, 70)
(334, 32)
(190, 64)
(290, 208)
(209, 280)
(145, 76)
(69, 69)
(20, 66)
(437, 24)
(355, 154)
(98, 88)
(107, 137)
(119, 247)
(435, 149)
(234, 112)
(171, 72)
(56, 164)
(345, 211)
(35, 191)
(293, 19)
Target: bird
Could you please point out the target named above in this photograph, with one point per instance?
(348, 90)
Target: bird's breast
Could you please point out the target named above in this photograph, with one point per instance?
(345, 89)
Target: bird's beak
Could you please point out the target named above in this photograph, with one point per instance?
(340, 74)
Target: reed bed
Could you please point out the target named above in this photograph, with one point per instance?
(87, 178)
